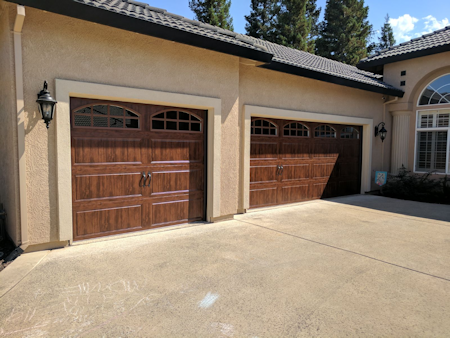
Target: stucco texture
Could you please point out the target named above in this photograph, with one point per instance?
(9, 188)
(58, 47)
(419, 73)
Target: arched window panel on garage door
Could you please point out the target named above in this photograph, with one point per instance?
(325, 131)
(174, 120)
(350, 133)
(296, 129)
(264, 128)
(437, 92)
(105, 116)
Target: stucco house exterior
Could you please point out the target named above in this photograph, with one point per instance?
(162, 120)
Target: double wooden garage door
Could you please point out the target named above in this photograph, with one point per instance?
(135, 166)
(295, 161)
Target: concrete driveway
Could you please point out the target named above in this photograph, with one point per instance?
(353, 266)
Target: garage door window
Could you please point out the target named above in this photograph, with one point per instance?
(106, 116)
(296, 129)
(173, 120)
(264, 127)
(325, 131)
(350, 133)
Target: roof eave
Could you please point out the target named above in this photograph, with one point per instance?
(125, 22)
(285, 68)
(370, 64)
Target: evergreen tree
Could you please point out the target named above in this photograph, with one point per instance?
(294, 25)
(344, 33)
(261, 23)
(213, 12)
(313, 13)
(386, 39)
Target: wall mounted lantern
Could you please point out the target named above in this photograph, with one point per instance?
(47, 104)
(381, 131)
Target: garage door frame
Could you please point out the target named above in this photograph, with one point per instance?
(294, 115)
(67, 88)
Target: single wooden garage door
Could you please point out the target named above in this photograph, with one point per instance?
(292, 161)
(135, 166)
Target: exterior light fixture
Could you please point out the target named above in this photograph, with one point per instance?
(381, 131)
(47, 104)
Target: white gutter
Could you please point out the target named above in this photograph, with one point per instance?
(20, 111)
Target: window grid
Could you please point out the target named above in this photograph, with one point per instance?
(263, 128)
(105, 116)
(325, 131)
(350, 133)
(175, 120)
(437, 92)
(296, 129)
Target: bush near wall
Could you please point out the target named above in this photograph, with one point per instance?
(417, 187)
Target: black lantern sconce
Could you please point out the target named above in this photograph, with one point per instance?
(381, 131)
(47, 104)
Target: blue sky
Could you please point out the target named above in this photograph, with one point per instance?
(409, 18)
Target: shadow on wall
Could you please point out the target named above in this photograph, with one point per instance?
(439, 212)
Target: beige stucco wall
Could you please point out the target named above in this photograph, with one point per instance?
(83, 51)
(9, 187)
(419, 73)
(262, 87)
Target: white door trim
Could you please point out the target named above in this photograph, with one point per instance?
(275, 113)
(65, 89)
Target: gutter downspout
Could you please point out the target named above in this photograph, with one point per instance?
(384, 120)
(20, 111)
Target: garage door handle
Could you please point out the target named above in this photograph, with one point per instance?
(144, 176)
(282, 170)
(149, 179)
(278, 169)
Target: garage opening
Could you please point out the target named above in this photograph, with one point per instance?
(294, 161)
(135, 166)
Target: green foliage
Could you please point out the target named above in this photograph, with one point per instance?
(213, 12)
(415, 187)
(261, 23)
(344, 34)
(386, 39)
(294, 26)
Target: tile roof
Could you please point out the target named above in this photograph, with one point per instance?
(434, 42)
(143, 18)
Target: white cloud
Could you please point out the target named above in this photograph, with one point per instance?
(433, 24)
(403, 27)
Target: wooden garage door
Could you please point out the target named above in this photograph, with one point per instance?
(292, 161)
(135, 166)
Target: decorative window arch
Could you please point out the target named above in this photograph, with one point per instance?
(110, 116)
(264, 128)
(176, 120)
(325, 131)
(350, 133)
(296, 129)
(437, 92)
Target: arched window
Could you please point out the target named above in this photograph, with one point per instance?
(296, 129)
(325, 131)
(437, 92)
(264, 127)
(176, 120)
(105, 116)
(350, 132)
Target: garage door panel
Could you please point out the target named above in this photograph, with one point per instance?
(295, 193)
(323, 149)
(263, 196)
(92, 223)
(292, 151)
(349, 187)
(264, 151)
(351, 149)
(179, 211)
(106, 150)
(292, 172)
(349, 169)
(263, 174)
(323, 170)
(177, 181)
(121, 185)
(177, 151)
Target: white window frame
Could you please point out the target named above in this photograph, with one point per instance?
(417, 130)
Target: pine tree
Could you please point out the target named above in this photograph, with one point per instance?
(294, 25)
(213, 12)
(261, 23)
(313, 13)
(344, 33)
(386, 39)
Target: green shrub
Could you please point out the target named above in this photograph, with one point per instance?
(417, 187)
